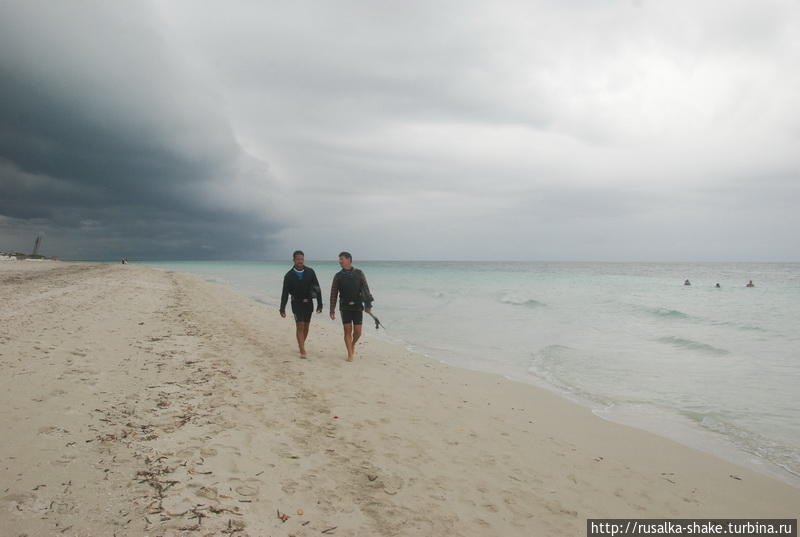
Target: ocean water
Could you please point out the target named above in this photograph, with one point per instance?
(717, 369)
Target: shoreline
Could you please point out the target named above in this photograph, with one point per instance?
(679, 428)
(718, 438)
(137, 398)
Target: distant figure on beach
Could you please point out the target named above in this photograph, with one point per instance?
(750, 284)
(301, 282)
(687, 282)
(124, 260)
(350, 287)
(718, 286)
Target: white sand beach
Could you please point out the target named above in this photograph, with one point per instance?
(136, 401)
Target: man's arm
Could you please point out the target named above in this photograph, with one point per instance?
(334, 292)
(284, 294)
(365, 291)
(317, 290)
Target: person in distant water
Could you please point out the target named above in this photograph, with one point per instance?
(687, 282)
(750, 284)
(351, 289)
(301, 282)
(718, 286)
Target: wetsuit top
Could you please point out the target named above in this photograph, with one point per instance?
(302, 285)
(353, 288)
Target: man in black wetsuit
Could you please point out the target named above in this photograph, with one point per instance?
(350, 286)
(301, 282)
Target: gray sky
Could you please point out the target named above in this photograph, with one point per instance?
(578, 130)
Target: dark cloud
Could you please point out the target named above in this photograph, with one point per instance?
(101, 122)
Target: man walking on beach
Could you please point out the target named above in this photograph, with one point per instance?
(301, 282)
(350, 286)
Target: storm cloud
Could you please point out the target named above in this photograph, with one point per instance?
(110, 145)
(627, 130)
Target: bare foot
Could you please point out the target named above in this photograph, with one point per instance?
(349, 358)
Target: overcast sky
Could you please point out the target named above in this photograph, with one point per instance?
(569, 130)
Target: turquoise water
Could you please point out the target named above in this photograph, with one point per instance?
(715, 368)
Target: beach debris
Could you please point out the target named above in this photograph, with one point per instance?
(736, 477)
(372, 477)
(234, 526)
(217, 510)
(196, 471)
(259, 473)
(283, 516)
(300, 512)
(199, 514)
(205, 492)
(329, 530)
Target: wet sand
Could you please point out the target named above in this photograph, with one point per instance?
(136, 401)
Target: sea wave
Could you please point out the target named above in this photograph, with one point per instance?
(751, 328)
(517, 300)
(547, 364)
(667, 313)
(692, 345)
(776, 452)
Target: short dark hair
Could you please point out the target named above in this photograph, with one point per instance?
(347, 255)
(298, 252)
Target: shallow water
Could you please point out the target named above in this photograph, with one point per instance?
(702, 365)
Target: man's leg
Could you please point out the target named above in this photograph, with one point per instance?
(307, 327)
(348, 340)
(356, 335)
(302, 332)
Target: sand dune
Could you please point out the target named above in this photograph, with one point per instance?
(143, 402)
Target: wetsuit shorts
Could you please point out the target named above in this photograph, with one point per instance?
(352, 316)
(302, 311)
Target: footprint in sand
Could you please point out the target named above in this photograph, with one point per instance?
(17, 502)
(392, 484)
(63, 460)
(52, 431)
(187, 453)
(288, 486)
(210, 493)
(246, 490)
(63, 507)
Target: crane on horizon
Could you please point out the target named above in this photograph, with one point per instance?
(36, 244)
